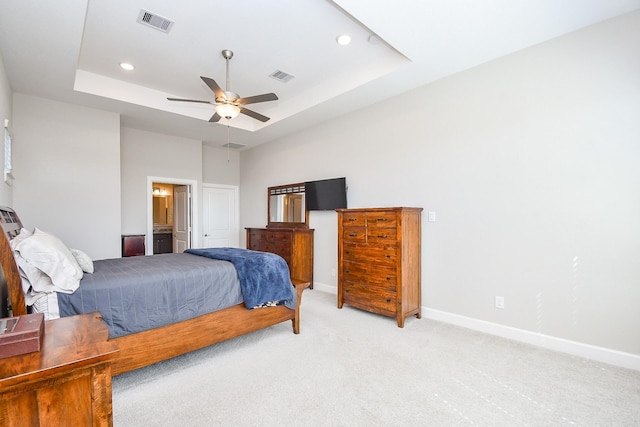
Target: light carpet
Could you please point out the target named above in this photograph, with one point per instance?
(352, 368)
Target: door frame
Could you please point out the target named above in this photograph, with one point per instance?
(236, 207)
(195, 241)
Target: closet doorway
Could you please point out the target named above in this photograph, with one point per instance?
(220, 216)
(171, 223)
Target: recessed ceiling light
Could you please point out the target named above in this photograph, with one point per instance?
(343, 39)
(126, 66)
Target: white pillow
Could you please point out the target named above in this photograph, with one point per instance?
(24, 233)
(47, 253)
(84, 261)
(32, 277)
(33, 280)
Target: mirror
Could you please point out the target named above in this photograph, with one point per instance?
(161, 214)
(286, 207)
(162, 203)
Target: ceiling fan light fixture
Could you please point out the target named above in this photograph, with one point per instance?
(229, 104)
(228, 111)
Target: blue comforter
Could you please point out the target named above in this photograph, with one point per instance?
(264, 277)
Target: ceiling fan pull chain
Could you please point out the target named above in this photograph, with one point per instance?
(228, 140)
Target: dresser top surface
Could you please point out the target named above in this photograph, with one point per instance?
(385, 209)
(67, 342)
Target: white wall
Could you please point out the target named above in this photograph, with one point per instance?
(220, 166)
(531, 164)
(6, 94)
(82, 177)
(66, 162)
(148, 154)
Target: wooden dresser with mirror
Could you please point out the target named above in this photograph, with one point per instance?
(287, 232)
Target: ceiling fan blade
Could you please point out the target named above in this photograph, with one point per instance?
(213, 86)
(190, 100)
(253, 114)
(215, 118)
(257, 98)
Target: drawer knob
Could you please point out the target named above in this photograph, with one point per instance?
(351, 219)
(388, 278)
(388, 299)
(388, 256)
(383, 236)
(382, 219)
(353, 234)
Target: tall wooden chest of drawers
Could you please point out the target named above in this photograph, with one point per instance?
(295, 245)
(379, 260)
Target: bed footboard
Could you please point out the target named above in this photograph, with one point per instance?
(149, 347)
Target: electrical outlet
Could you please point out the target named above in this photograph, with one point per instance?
(500, 302)
(432, 216)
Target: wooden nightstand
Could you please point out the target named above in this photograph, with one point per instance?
(67, 382)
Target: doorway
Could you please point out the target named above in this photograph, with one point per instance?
(171, 219)
(220, 216)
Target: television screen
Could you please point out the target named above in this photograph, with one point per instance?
(326, 194)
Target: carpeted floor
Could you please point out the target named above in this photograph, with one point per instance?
(352, 368)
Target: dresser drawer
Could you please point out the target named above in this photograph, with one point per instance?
(283, 249)
(354, 219)
(381, 235)
(378, 254)
(257, 235)
(383, 277)
(355, 234)
(368, 274)
(279, 236)
(355, 272)
(376, 300)
(267, 246)
(256, 245)
(381, 219)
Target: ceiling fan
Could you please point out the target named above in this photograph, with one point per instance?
(229, 104)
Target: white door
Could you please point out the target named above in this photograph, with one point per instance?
(182, 218)
(220, 212)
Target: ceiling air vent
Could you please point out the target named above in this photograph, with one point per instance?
(233, 145)
(281, 76)
(154, 21)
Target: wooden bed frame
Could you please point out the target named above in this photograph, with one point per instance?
(152, 346)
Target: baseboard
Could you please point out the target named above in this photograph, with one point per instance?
(325, 288)
(601, 354)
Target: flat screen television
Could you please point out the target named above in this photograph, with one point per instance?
(326, 194)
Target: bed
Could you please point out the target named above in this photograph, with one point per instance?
(143, 347)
